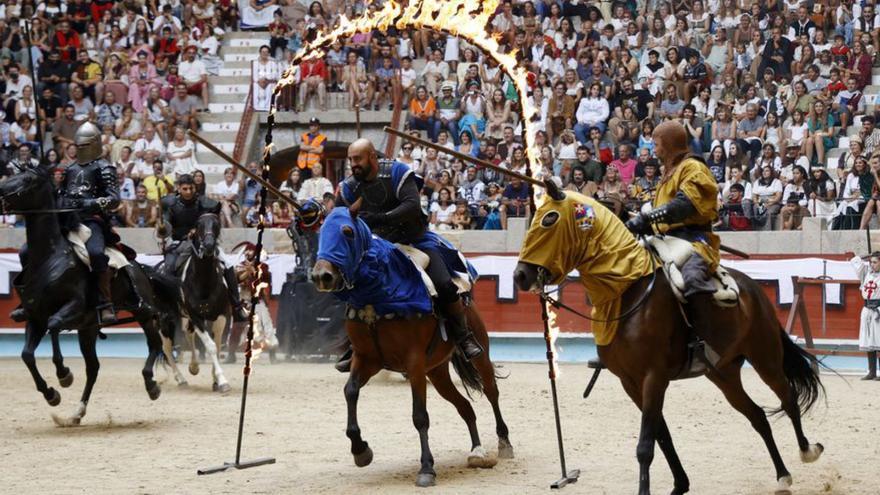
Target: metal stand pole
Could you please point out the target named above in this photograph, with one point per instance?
(255, 298)
(567, 476)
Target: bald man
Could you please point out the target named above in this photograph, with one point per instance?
(685, 206)
(391, 206)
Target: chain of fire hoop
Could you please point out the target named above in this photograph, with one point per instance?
(461, 18)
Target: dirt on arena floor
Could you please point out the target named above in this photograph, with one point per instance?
(296, 412)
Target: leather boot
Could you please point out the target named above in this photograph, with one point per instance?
(238, 312)
(457, 327)
(106, 313)
(343, 365)
(872, 366)
(143, 303)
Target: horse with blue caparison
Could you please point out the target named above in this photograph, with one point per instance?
(392, 323)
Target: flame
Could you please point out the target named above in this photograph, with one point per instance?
(467, 19)
(552, 335)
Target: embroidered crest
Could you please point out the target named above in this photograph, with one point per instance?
(584, 217)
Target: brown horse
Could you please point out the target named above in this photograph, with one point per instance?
(412, 346)
(650, 346)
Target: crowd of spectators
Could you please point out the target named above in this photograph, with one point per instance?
(765, 89)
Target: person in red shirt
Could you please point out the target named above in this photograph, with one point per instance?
(313, 74)
(66, 41)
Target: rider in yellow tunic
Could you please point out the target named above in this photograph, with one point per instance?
(685, 206)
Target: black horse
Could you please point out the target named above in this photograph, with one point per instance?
(60, 292)
(205, 302)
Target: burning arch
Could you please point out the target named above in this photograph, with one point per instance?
(466, 19)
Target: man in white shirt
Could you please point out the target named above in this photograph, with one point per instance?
(166, 19)
(16, 81)
(435, 72)
(194, 75)
(149, 141)
(316, 186)
(408, 77)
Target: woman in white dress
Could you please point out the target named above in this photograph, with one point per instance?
(181, 153)
(869, 322)
(266, 75)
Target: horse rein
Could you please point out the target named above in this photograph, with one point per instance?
(556, 303)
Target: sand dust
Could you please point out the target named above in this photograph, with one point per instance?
(296, 412)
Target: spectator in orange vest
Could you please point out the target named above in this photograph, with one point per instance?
(311, 148)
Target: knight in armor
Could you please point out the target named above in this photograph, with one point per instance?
(180, 214)
(303, 231)
(390, 205)
(685, 206)
(90, 186)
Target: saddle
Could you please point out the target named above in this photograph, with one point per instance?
(80, 236)
(421, 261)
(673, 252)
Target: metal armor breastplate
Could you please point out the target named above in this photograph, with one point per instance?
(82, 181)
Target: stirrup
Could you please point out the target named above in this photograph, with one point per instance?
(469, 347)
(596, 363)
(100, 309)
(343, 365)
(18, 315)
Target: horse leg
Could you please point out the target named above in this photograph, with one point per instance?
(220, 383)
(419, 383)
(167, 349)
(65, 376)
(730, 384)
(189, 330)
(443, 384)
(490, 389)
(33, 335)
(664, 440)
(653, 391)
(360, 374)
(154, 346)
(776, 380)
(88, 338)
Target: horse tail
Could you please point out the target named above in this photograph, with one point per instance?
(802, 372)
(468, 373)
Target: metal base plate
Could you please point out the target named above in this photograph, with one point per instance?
(571, 477)
(241, 465)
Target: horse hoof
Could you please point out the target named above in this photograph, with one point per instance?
(182, 384)
(426, 479)
(194, 368)
(679, 491)
(154, 392)
(783, 485)
(505, 449)
(479, 459)
(53, 398)
(812, 453)
(66, 380)
(364, 458)
(223, 389)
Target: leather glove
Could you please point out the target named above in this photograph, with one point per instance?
(373, 218)
(640, 225)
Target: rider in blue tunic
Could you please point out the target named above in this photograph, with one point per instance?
(391, 207)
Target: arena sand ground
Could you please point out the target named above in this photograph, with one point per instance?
(296, 412)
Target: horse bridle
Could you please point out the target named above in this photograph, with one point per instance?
(556, 303)
(197, 249)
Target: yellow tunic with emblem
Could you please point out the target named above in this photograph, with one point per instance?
(587, 236)
(695, 180)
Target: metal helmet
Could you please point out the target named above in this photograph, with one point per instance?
(88, 143)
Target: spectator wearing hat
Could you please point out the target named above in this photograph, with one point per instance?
(194, 75)
(448, 112)
(313, 74)
(311, 148)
